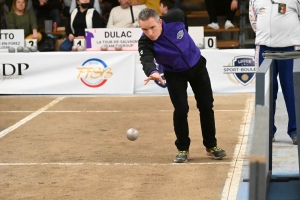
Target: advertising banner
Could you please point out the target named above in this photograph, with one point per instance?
(11, 38)
(127, 38)
(67, 73)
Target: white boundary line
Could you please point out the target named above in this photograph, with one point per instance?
(233, 177)
(114, 164)
(106, 111)
(29, 117)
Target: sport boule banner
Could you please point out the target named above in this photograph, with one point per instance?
(127, 38)
(11, 38)
(67, 72)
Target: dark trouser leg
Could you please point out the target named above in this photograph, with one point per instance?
(55, 15)
(285, 71)
(262, 49)
(230, 13)
(211, 7)
(177, 86)
(275, 92)
(200, 83)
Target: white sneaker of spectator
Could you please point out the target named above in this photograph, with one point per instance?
(228, 24)
(213, 25)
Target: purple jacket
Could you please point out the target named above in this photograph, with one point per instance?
(174, 50)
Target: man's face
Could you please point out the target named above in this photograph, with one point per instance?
(124, 3)
(163, 9)
(151, 28)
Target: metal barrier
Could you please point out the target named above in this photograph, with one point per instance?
(261, 148)
(260, 173)
(296, 78)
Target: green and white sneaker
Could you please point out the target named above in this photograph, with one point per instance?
(181, 157)
(216, 152)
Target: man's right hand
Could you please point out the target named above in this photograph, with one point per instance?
(154, 76)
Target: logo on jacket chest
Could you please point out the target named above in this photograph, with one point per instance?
(180, 34)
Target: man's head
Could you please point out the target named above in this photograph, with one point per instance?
(150, 23)
(124, 3)
(165, 6)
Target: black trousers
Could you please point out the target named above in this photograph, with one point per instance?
(199, 80)
(219, 7)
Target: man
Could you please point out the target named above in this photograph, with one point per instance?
(123, 16)
(167, 41)
(277, 28)
(165, 6)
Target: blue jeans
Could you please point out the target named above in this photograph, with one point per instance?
(66, 45)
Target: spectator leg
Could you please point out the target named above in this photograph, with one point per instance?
(211, 6)
(55, 16)
(230, 13)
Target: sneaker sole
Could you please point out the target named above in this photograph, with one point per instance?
(213, 28)
(180, 161)
(217, 158)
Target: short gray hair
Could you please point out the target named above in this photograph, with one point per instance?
(146, 13)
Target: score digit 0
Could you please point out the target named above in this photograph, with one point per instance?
(210, 42)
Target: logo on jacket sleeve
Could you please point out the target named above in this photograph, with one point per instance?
(180, 34)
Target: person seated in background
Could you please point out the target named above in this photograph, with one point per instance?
(154, 4)
(20, 18)
(94, 4)
(48, 9)
(82, 17)
(221, 7)
(3, 14)
(123, 16)
(165, 6)
(107, 5)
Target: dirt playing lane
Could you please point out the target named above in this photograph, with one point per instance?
(87, 136)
